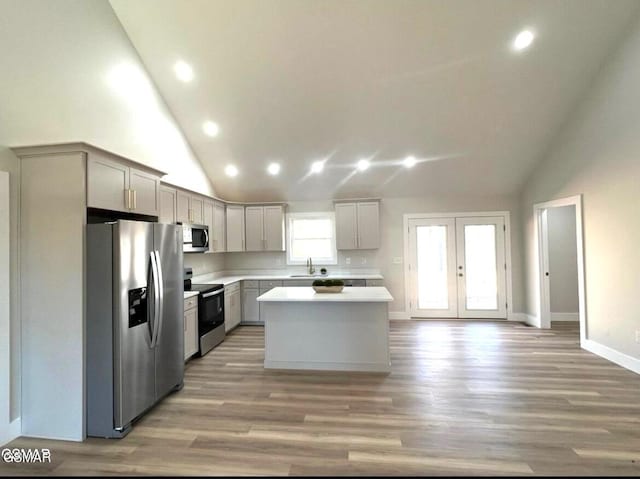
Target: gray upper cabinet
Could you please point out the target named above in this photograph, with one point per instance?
(189, 208)
(168, 205)
(116, 186)
(357, 225)
(368, 225)
(219, 228)
(207, 213)
(146, 192)
(254, 227)
(264, 228)
(235, 228)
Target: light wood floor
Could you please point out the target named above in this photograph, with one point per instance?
(482, 398)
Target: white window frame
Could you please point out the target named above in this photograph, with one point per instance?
(312, 215)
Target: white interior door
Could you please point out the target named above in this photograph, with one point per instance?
(432, 246)
(481, 267)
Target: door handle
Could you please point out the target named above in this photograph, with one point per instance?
(156, 299)
(160, 290)
(460, 274)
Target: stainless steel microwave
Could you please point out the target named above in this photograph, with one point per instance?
(195, 238)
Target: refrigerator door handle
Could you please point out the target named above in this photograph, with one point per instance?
(156, 298)
(160, 294)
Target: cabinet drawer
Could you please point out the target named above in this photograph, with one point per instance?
(190, 303)
(251, 283)
(231, 288)
(268, 284)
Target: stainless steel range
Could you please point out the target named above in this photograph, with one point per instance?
(211, 329)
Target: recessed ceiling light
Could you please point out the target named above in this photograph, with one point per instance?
(409, 161)
(231, 171)
(317, 167)
(210, 128)
(274, 168)
(183, 71)
(363, 164)
(523, 40)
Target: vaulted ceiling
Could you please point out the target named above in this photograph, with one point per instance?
(295, 81)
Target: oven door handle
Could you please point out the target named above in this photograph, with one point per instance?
(214, 293)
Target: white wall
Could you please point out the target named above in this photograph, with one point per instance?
(391, 241)
(70, 73)
(563, 259)
(597, 155)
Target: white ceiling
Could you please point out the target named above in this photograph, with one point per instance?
(300, 80)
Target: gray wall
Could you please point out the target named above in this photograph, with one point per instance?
(597, 155)
(563, 259)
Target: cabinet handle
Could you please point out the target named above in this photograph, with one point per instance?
(127, 199)
(185, 325)
(135, 199)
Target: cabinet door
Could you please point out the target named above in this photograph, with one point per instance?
(228, 313)
(146, 192)
(197, 215)
(167, 205)
(182, 207)
(368, 225)
(236, 307)
(274, 228)
(235, 228)
(207, 212)
(254, 227)
(346, 226)
(250, 310)
(190, 332)
(107, 184)
(219, 228)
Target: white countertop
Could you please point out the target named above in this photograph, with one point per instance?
(234, 278)
(190, 294)
(375, 294)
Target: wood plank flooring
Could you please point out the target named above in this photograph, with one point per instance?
(463, 398)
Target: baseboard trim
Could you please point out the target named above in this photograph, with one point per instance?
(621, 359)
(565, 316)
(399, 315)
(518, 317)
(328, 366)
(14, 431)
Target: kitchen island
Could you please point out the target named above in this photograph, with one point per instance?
(347, 331)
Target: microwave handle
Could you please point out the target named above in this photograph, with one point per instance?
(206, 235)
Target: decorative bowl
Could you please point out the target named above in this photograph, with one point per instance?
(328, 289)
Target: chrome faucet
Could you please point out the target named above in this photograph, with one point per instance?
(310, 267)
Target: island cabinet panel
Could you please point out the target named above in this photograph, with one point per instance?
(235, 228)
(219, 228)
(357, 225)
(168, 205)
(254, 226)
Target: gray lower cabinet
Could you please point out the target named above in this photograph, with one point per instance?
(232, 306)
(250, 309)
(190, 327)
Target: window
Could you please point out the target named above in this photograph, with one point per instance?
(311, 235)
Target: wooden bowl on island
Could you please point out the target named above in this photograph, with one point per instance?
(328, 285)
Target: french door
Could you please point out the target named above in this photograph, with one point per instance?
(457, 267)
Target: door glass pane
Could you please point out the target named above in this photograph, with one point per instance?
(433, 289)
(480, 267)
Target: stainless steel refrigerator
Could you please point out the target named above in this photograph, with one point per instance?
(134, 327)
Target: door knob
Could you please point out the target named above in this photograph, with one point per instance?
(460, 274)
(547, 273)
